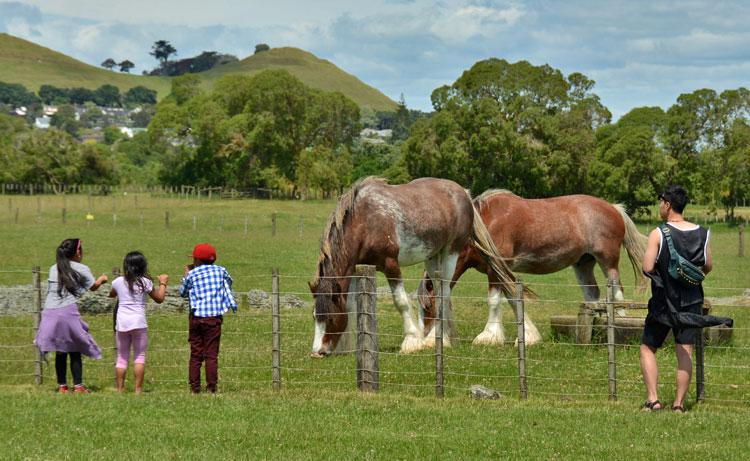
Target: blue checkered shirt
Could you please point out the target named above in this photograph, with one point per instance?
(209, 288)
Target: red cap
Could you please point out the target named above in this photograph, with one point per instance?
(204, 252)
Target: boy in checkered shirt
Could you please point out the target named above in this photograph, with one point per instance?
(209, 288)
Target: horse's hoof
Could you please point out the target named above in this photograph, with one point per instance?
(318, 355)
(488, 339)
(411, 344)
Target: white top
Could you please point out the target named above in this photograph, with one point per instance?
(131, 305)
(54, 301)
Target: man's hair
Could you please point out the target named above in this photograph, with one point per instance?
(677, 197)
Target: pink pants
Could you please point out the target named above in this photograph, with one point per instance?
(139, 339)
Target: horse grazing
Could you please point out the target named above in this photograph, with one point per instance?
(542, 236)
(427, 220)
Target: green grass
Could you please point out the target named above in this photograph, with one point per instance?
(318, 414)
(32, 65)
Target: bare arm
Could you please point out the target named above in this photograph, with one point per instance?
(99, 282)
(652, 250)
(159, 293)
(709, 259)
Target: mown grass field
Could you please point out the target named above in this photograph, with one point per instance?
(319, 414)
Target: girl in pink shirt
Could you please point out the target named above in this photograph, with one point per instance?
(131, 291)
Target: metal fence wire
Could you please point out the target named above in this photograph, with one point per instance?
(586, 352)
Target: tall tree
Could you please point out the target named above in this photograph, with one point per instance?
(162, 50)
(126, 65)
(109, 63)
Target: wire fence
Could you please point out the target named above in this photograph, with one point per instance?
(586, 352)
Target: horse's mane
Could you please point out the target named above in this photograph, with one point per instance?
(479, 200)
(332, 251)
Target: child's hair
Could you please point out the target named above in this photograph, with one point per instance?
(135, 268)
(68, 279)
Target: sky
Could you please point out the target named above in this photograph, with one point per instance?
(640, 53)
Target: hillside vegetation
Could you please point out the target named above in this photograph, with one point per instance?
(33, 65)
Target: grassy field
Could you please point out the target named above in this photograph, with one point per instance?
(318, 414)
(32, 65)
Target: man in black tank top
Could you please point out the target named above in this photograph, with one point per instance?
(670, 296)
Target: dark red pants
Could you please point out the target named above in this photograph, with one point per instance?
(204, 337)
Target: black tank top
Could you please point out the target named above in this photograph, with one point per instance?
(691, 245)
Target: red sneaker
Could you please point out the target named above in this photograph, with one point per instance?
(81, 389)
(63, 389)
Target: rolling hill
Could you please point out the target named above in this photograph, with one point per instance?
(33, 65)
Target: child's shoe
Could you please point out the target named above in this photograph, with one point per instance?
(62, 389)
(81, 389)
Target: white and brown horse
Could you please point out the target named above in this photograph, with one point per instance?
(389, 226)
(542, 236)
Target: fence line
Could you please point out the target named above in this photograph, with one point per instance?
(530, 372)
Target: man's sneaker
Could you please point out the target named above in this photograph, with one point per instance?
(63, 389)
(81, 389)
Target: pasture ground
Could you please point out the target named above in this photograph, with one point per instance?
(318, 414)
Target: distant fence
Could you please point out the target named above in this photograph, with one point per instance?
(182, 191)
(276, 355)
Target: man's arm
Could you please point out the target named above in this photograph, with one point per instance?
(652, 250)
(709, 258)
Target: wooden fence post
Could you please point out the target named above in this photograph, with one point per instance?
(166, 219)
(368, 376)
(37, 283)
(611, 358)
(519, 305)
(273, 224)
(741, 251)
(247, 222)
(439, 330)
(276, 329)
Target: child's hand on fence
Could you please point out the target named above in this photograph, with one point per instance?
(163, 279)
(102, 279)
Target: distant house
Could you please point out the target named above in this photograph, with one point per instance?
(20, 111)
(42, 122)
(375, 136)
(50, 110)
(130, 132)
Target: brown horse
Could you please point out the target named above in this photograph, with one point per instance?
(390, 226)
(542, 236)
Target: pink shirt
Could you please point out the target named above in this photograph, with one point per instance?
(131, 309)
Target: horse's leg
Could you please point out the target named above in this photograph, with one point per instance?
(610, 263)
(584, 270)
(413, 334)
(493, 330)
(446, 264)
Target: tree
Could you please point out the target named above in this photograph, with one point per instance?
(185, 87)
(161, 50)
(53, 95)
(629, 166)
(107, 95)
(65, 120)
(80, 95)
(109, 63)
(140, 95)
(260, 47)
(16, 95)
(126, 65)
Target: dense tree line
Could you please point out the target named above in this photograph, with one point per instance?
(517, 126)
(16, 95)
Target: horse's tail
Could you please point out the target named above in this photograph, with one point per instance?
(635, 245)
(482, 241)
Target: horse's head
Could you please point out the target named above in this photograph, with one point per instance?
(330, 315)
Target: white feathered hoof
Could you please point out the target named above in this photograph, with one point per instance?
(531, 339)
(412, 344)
(429, 340)
(489, 338)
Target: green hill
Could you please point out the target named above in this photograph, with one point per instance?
(33, 65)
(311, 70)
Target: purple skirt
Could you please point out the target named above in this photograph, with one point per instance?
(63, 330)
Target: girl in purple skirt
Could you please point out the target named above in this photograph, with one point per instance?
(62, 330)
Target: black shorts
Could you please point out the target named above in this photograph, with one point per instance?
(655, 333)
